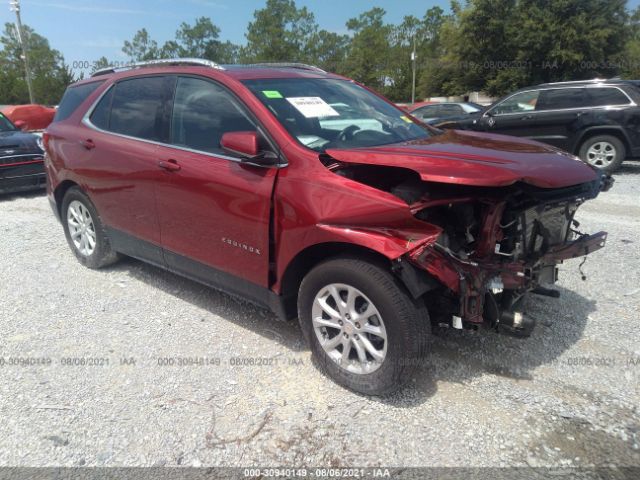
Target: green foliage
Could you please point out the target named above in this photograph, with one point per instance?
(531, 41)
(280, 32)
(141, 47)
(49, 74)
(494, 46)
(369, 59)
(629, 60)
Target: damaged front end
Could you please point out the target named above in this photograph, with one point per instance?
(496, 243)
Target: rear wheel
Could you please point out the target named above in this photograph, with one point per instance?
(364, 330)
(84, 230)
(604, 152)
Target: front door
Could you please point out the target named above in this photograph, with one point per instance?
(214, 210)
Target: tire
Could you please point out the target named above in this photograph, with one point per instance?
(605, 152)
(92, 254)
(404, 321)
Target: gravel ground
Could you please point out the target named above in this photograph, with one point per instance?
(566, 396)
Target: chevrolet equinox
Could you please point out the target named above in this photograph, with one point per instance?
(312, 195)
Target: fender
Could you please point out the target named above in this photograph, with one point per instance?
(602, 130)
(391, 243)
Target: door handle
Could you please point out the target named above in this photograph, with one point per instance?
(170, 165)
(526, 117)
(88, 144)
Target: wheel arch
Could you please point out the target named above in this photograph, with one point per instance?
(617, 132)
(414, 282)
(311, 256)
(60, 191)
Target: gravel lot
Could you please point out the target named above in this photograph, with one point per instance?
(568, 395)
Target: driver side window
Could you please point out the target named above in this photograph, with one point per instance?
(519, 103)
(202, 113)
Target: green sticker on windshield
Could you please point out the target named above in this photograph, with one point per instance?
(272, 94)
(406, 119)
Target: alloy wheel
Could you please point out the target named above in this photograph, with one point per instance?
(601, 154)
(349, 328)
(81, 228)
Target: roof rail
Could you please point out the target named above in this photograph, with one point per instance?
(163, 61)
(301, 66)
(593, 80)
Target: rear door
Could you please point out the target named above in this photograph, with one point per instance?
(121, 170)
(214, 211)
(559, 114)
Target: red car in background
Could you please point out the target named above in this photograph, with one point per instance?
(29, 117)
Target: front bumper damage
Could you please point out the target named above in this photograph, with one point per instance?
(480, 286)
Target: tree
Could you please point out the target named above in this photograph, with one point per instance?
(99, 64)
(579, 40)
(49, 74)
(369, 53)
(531, 41)
(199, 40)
(142, 47)
(425, 34)
(280, 32)
(629, 61)
(329, 50)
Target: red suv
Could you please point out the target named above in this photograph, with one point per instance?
(308, 193)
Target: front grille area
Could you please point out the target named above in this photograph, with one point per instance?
(531, 232)
(13, 159)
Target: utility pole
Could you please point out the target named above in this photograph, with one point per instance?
(14, 6)
(413, 60)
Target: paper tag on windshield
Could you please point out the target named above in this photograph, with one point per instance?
(313, 107)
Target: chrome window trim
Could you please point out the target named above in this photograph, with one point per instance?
(22, 155)
(528, 112)
(86, 120)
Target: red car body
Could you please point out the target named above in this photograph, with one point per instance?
(29, 117)
(256, 231)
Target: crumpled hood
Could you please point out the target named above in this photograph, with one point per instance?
(477, 159)
(19, 142)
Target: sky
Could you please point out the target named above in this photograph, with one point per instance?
(85, 30)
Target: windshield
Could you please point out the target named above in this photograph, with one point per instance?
(5, 124)
(330, 113)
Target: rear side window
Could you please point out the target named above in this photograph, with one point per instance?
(102, 112)
(204, 111)
(72, 99)
(137, 108)
(427, 112)
(562, 98)
(451, 110)
(599, 97)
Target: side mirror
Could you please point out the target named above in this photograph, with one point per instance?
(21, 125)
(247, 145)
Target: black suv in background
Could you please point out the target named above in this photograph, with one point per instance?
(598, 120)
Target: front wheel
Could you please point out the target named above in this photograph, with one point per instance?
(364, 330)
(604, 152)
